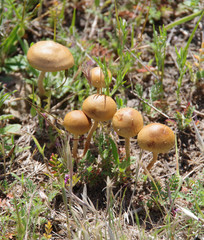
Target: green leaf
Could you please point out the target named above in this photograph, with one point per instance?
(6, 116)
(4, 97)
(40, 149)
(89, 169)
(33, 112)
(114, 151)
(73, 22)
(200, 75)
(12, 128)
(124, 164)
(9, 42)
(97, 3)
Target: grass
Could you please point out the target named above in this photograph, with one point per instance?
(43, 195)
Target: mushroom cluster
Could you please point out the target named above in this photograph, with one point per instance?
(49, 56)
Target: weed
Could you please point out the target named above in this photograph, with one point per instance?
(159, 48)
(184, 118)
(48, 230)
(25, 211)
(181, 59)
(18, 17)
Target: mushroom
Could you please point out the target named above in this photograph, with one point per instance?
(127, 122)
(156, 138)
(49, 56)
(97, 78)
(77, 123)
(99, 108)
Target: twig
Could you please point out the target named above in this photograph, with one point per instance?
(57, 106)
(93, 28)
(170, 36)
(142, 64)
(149, 104)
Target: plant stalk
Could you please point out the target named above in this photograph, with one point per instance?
(64, 197)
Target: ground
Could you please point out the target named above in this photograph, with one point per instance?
(106, 201)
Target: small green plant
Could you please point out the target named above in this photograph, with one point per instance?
(24, 211)
(199, 64)
(181, 59)
(58, 167)
(139, 90)
(48, 231)
(18, 16)
(159, 48)
(184, 118)
(7, 130)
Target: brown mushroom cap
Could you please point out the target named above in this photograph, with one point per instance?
(127, 122)
(77, 122)
(49, 56)
(99, 107)
(156, 137)
(97, 77)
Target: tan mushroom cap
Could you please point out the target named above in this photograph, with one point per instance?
(99, 107)
(77, 122)
(49, 56)
(156, 137)
(97, 77)
(127, 122)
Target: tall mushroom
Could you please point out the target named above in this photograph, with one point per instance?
(97, 78)
(127, 122)
(49, 56)
(156, 138)
(77, 123)
(99, 108)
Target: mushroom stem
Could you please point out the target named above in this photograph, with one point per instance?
(127, 147)
(99, 90)
(155, 155)
(40, 83)
(75, 145)
(127, 151)
(88, 139)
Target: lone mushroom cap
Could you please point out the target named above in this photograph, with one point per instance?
(99, 107)
(156, 137)
(77, 122)
(49, 56)
(127, 122)
(97, 77)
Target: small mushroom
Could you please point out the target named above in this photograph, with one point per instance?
(49, 56)
(156, 138)
(127, 122)
(97, 78)
(100, 108)
(77, 123)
